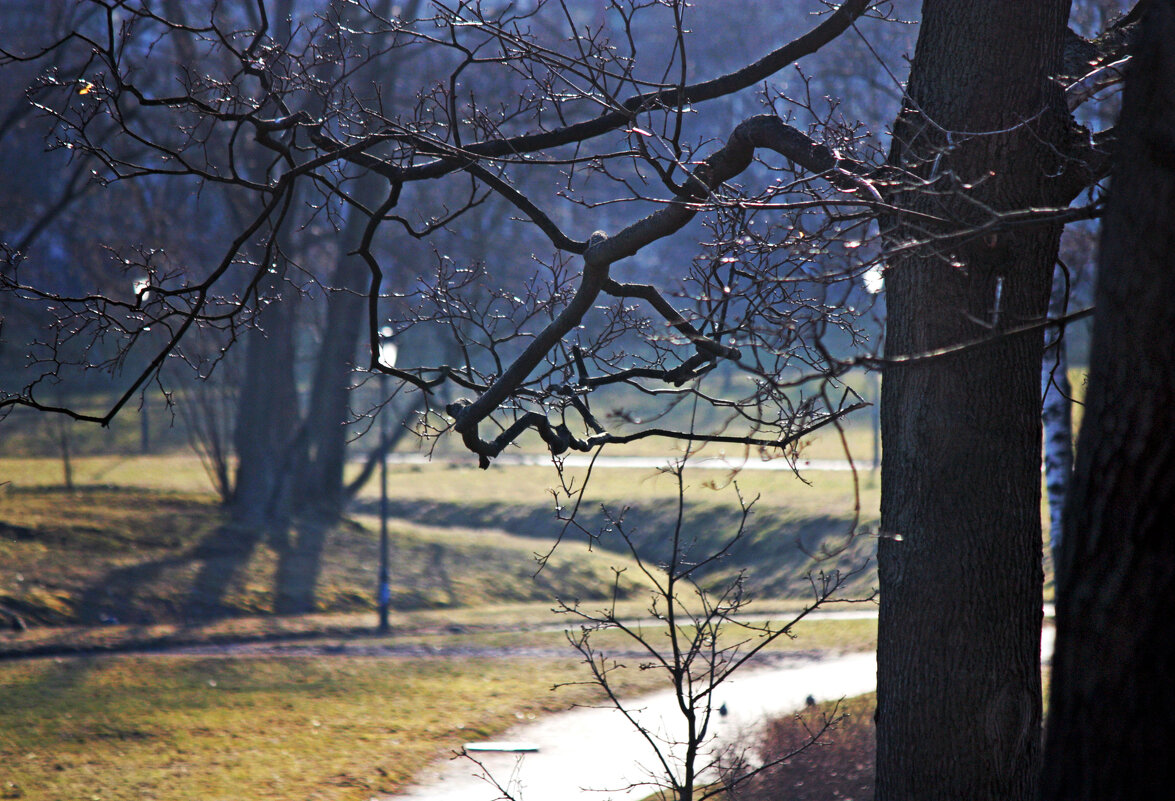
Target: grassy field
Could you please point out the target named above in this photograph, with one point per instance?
(461, 481)
(142, 550)
(209, 728)
(142, 547)
(287, 727)
(795, 521)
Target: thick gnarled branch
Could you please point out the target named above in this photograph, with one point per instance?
(762, 131)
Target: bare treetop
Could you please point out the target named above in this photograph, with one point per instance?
(501, 135)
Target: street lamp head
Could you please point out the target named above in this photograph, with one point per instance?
(387, 347)
(874, 279)
(142, 289)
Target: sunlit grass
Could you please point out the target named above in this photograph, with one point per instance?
(294, 727)
(812, 492)
(144, 557)
(180, 471)
(840, 636)
(259, 728)
(444, 481)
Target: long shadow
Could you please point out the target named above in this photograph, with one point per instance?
(440, 572)
(299, 551)
(100, 602)
(224, 551)
(223, 554)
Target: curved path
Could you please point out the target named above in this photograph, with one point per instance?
(596, 755)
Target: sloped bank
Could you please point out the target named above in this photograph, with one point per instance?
(116, 556)
(777, 552)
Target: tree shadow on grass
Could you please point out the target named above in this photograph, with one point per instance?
(220, 561)
(223, 556)
(224, 551)
(439, 573)
(299, 550)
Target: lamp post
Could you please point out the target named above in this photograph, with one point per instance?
(387, 357)
(141, 287)
(874, 280)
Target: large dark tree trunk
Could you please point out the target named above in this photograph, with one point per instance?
(959, 703)
(322, 489)
(267, 418)
(1111, 732)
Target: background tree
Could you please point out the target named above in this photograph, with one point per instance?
(1112, 713)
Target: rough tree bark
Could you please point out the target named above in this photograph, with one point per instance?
(1112, 717)
(983, 125)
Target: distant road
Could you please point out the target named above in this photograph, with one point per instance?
(649, 462)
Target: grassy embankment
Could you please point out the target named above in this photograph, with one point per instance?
(793, 521)
(165, 552)
(162, 561)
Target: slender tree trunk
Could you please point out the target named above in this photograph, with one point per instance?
(1056, 414)
(1112, 715)
(959, 560)
(321, 480)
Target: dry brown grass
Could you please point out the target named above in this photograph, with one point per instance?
(837, 766)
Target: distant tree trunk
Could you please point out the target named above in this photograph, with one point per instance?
(1111, 727)
(328, 411)
(321, 481)
(959, 558)
(63, 436)
(1056, 412)
(267, 418)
